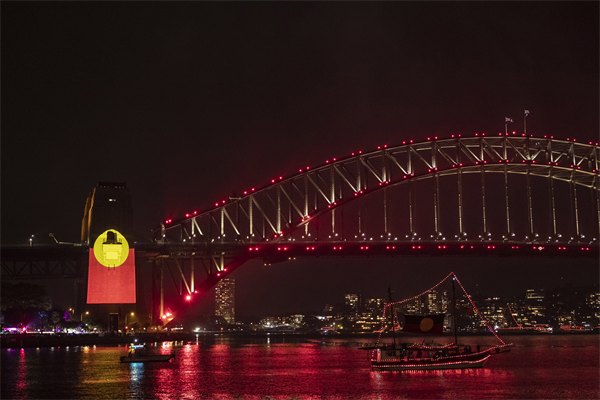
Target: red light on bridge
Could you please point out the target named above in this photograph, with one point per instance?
(188, 297)
(364, 247)
(272, 180)
(327, 161)
(281, 177)
(216, 204)
(462, 246)
(218, 274)
(253, 189)
(195, 212)
(245, 192)
(187, 215)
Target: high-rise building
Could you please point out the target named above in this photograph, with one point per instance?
(225, 300)
(352, 301)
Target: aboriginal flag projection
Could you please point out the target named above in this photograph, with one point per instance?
(111, 277)
(431, 324)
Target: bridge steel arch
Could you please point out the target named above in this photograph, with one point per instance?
(306, 208)
(275, 211)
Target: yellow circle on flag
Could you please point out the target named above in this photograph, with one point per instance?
(111, 248)
(426, 324)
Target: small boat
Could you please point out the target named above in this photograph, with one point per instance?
(139, 353)
(428, 356)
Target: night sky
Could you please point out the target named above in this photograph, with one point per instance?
(188, 102)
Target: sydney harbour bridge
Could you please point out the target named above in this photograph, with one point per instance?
(483, 195)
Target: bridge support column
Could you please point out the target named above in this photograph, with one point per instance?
(460, 224)
(552, 203)
(485, 232)
(508, 231)
(192, 273)
(157, 300)
(577, 234)
(436, 204)
(411, 211)
(385, 221)
(529, 204)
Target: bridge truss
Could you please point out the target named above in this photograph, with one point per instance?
(504, 195)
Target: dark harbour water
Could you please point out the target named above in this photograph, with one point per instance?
(539, 367)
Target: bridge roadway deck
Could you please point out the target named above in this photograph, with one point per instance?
(63, 261)
(288, 250)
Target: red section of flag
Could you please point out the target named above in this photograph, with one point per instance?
(111, 285)
(429, 324)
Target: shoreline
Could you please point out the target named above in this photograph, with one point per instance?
(18, 341)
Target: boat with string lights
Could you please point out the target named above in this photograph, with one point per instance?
(139, 353)
(517, 328)
(399, 356)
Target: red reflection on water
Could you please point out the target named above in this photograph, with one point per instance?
(21, 378)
